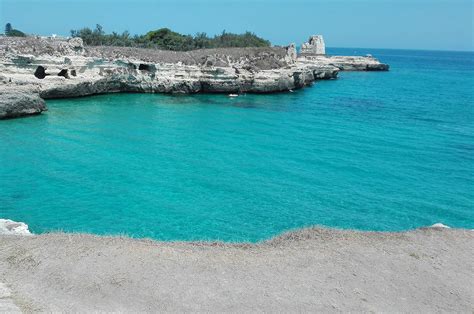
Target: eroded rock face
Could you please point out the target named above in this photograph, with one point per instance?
(34, 68)
(346, 63)
(58, 69)
(19, 104)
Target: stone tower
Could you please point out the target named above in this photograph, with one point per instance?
(314, 46)
(291, 53)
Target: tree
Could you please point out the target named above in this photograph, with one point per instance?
(8, 29)
(16, 33)
(201, 41)
(99, 29)
(11, 32)
(165, 38)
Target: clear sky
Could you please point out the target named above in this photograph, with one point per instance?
(408, 24)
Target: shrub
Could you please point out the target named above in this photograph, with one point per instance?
(166, 39)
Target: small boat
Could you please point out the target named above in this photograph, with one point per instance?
(233, 95)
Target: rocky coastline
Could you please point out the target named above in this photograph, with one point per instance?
(33, 69)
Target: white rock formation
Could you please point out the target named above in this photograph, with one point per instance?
(440, 225)
(345, 63)
(10, 227)
(291, 52)
(57, 68)
(314, 46)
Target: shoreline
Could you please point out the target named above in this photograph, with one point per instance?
(35, 69)
(21, 229)
(312, 269)
(10, 227)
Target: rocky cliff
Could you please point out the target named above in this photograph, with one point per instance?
(52, 68)
(17, 104)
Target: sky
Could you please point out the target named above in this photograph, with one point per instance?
(403, 24)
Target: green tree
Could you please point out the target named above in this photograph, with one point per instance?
(16, 33)
(166, 39)
(8, 29)
(201, 41)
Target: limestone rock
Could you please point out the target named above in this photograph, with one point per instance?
(76, 43)
(291, 52)
(10, 227)
(34, 67)
(440, 225)
(62, 68)
(314, 46)
(18, 104)
(345, 63)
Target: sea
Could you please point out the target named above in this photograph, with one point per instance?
(376, 151)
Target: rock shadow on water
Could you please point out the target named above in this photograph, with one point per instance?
(360, 103)
(270, 102)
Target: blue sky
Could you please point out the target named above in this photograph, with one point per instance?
(407, 24)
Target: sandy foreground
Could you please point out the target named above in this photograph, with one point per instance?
(307, 270)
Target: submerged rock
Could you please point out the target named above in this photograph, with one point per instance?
(10, 227)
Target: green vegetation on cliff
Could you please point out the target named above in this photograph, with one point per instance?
(167, 39)
(10, 31)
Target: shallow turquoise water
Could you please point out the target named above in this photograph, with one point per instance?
(372, 151)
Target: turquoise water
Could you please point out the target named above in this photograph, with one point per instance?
(371, 151)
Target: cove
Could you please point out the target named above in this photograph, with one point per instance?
(370, 151)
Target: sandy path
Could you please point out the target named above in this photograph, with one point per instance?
(309, 270)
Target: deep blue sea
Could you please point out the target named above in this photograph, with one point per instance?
(369, 151)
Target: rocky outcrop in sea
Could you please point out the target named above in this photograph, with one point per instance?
(33, 69)
(345, 63)
(17, 103)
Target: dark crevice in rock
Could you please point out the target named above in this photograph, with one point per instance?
(40, 72)
(73, 73)
(63, 73)
(146, 67)
(298, 80)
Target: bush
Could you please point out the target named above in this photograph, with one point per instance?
(9, 31)
(167, 39)
(16, 33)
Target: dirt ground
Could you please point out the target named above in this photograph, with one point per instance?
(425, 270)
